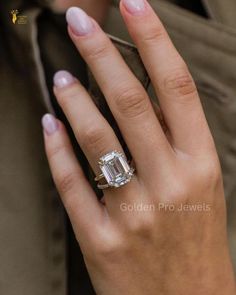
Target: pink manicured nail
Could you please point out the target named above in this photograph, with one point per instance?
(79, 21)
(62, 79)
(134, 6)
(49, 123)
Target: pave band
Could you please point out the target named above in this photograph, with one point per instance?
(115, 170)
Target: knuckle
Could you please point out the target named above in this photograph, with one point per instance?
(55, 151)
(132, 102)
(68, 95)
(107, 250)
(97, 52)
(179, 83)
(142, 225)
(66, 182)
(153, 35)
(210, 173)
(93, 139)
(178, 192)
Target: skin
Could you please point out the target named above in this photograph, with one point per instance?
(161, 251)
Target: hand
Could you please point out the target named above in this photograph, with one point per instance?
(178, 244)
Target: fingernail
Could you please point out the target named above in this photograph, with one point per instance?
(49, 123)
(62, 79)
(134, 6)
(79, 21)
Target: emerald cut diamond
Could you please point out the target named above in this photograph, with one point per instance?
(115, 169)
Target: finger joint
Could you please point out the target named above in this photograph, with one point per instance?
(66, 182)
(179, 84)
(97, 52)
(94, 139)
(132, 103)
(154, 35)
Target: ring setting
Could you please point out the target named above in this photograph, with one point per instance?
(115, 170)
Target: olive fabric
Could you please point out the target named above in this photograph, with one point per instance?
(222, 12)
(38, 252)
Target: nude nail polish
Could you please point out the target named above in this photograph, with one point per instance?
(134, 6)
(62, 79)
(49, 124)
(79, 21)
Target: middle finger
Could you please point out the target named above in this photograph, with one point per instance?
(125, 95)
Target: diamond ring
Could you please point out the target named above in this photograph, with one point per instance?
(115, 170)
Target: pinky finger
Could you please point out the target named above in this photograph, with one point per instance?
(77, 195)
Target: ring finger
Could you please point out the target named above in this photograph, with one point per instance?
(93, 133)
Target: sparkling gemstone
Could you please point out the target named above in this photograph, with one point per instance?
(115, 169)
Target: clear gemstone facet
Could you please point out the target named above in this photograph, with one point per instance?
(115, 169)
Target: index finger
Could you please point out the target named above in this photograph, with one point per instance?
(172, 81)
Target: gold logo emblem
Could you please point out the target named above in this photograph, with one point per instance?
(17, 18)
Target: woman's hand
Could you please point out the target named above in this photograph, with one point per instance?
(165, 231)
